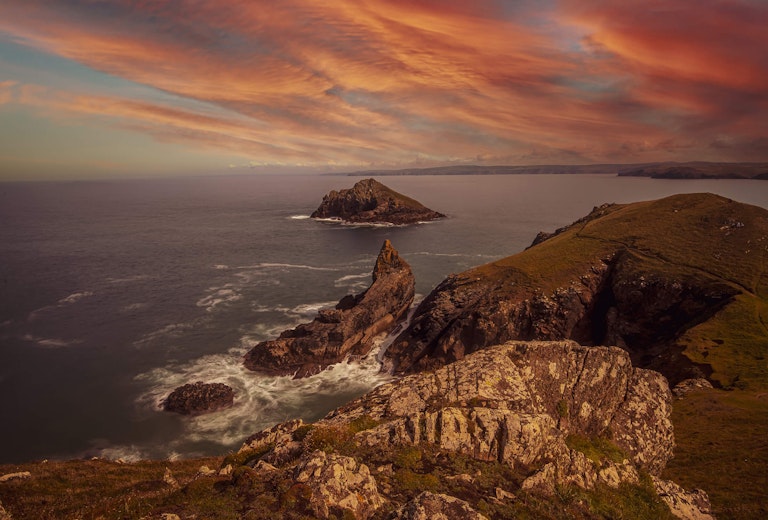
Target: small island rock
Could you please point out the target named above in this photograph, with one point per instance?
(369, 201)
(199, 398)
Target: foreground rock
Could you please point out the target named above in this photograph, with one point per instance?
(558, 414)
(677, 282)
(199, 398)
(337, 483)
(429, 506)
(517, 403)
(348, 329)
(369, 201)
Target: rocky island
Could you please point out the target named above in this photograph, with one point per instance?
(348, 329)
(199, 398)
(370, 202)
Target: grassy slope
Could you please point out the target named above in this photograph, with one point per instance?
(675, 237)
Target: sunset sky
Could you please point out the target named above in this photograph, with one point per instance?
(115, 88)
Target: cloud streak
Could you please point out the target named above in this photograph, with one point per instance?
(389, 82)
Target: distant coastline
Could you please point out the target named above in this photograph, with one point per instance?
(656, 170)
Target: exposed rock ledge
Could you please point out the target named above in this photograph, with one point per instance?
(369, 201)
(521, 404)
(348, 329)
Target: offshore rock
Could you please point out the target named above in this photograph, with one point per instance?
(348, 329)
(369, 201)
(428, 506)
(338, 483)
(199, 398)
(517, 403)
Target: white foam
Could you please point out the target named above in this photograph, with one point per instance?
(218, 296)
(128, 279)
(299, 217)
(75, 297)
(221, 267)
(48, 342)
(261, 400)
(310, 309)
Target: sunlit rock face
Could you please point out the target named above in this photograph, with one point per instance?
(347, 330)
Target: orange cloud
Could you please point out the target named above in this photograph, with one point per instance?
(388, 81)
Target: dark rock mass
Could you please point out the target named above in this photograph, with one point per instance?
(348, 329)
(199, 398)
(369, 201)
(670, 281)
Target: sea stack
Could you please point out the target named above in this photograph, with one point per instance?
(348, 329)
(370, 202)
(199, 398)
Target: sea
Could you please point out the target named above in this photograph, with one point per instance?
(113, 293)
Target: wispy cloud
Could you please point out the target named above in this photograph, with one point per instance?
(392, 82)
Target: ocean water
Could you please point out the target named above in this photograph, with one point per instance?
(114, 293)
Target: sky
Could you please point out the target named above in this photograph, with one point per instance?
(121, 88)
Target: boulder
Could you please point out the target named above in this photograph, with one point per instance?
(686, 505)
(687, 386)
(369, 201)
(338, 483)
(433, 506)
(199, 398)
(347, 330)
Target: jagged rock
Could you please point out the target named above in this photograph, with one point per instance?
(686, 505)
(640, 276)
(461, 478)
(432, 506)
(205, 471)
(503, 495)
(517, 402)
(20, 475)
(369, 201)
(199, 398)
(349, 329)
(686, 386)
(226, 470)
(338, 483)
(280, 437)
(169, 516)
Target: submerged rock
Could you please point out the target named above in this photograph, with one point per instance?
(199, 398)
(348, 329)
(369, 201)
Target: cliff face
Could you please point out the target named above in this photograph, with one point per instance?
(369, 201)
(555, 413)
(348, 329)
(680, 283)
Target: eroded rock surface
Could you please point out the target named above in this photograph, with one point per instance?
(200, 398)
(369, 201)
(687, 505)
(432, 506)
(337, 483)
(348, 329)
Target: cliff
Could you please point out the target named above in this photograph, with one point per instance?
(369, 201)
(680, 283)
(348, 329)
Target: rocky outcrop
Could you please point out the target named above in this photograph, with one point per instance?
(4, 515)
(347, 330)
(199, 398)
(686, 505)
(519, 402)
(369, 201)
(558, 414)
(337, 483)
(429, 506)
(630, 276)
(687, 386)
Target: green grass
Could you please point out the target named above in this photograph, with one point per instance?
(596, 449)
(722, 447)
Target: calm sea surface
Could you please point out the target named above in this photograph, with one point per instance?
(114, 293)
